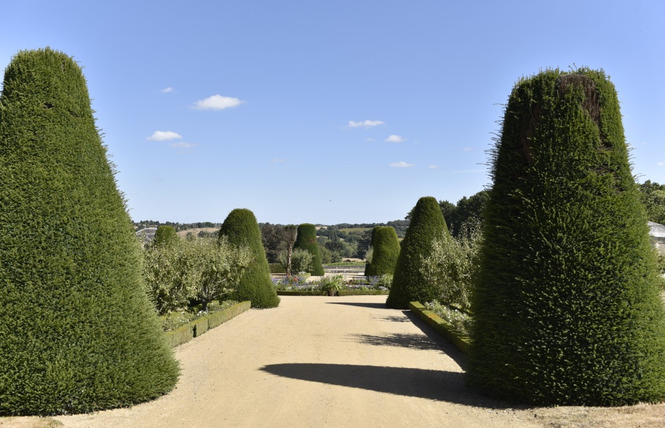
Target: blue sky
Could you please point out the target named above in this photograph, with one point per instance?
(330, 111)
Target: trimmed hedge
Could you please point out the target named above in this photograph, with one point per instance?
(566, 308)
(187, 332)
(241, 228)
(409, 284)
(385, 251)
(77, 332)
(442, 326)
(306, 240)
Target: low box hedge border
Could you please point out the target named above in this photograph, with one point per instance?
(337, 293)
(442, 326)
(187, 332)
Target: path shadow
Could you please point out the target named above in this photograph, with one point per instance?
(442, 343)
(361, 304)
(411, 382)
(396, 319)
(413, 341)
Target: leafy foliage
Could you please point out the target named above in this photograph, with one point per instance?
(566, 310)
(301, 260)
(385, 250)
(409, 284)
(77, 332)
(306, 240)
(241, 229)
(450, 266)
(165, 235)
(653, 199)
(200, 270)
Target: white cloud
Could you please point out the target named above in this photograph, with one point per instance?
(182, 145)
(661, 163)
(394, 139)
(467, 149)
(167, 90)
(401, 165)
(164, 136)
(366, 123)
(433, 167)
(217, 102)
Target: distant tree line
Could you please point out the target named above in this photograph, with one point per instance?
(138, 225)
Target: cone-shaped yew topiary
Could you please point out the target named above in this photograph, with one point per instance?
(306, 240)
(566, 306)
(385, 251)
(165, 235)
(409, 284)
(77, 332)
(241, 229)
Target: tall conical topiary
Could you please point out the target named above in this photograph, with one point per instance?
(409, 284)
(77, 332)
(165, 235)
(566, 308)
(306, 240)
(385, 251)
(241, 228)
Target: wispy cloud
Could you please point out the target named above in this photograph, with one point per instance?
(661, 163)
(433, 167)
(182, 145)
(167, 90)
(370, 140)
(394, 139)
(164, 136)
(467, 149)
(217, 102)
(401, 165)
(365, 123)
(277, 160)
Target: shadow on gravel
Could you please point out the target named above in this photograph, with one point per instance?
(413, 341)
(411, 382)
(361, 304)
(442, 343)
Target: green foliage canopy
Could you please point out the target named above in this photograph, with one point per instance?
(409, 284)
(241, 229)
(385, 251)
(77, 332)
(566, 308)
(306, 240)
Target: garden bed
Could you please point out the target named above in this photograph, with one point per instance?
(442, 326)
(197, 327)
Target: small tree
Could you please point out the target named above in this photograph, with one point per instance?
(566, 307)
(165, 235)
(385, 251)
(409, 284)
(290, 234)
(241, 229)
(301, 261)
(306, 240)
(77, 332)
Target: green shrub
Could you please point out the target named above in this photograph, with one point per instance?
(450, 267)
(165, 235)
(277, 267)
(306, 240)
(566, 310)
(386, 248)
(409, 284)
(301, 260)
(255, 285)
(77, 332)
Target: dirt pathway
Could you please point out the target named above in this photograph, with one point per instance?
(335, 362)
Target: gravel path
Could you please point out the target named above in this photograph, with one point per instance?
(334, 362)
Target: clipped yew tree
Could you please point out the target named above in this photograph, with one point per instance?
(241, 229)
(165, 235)
(566, 306)
(77, 332)
(409, 284)
(306, 240)
(385, 251)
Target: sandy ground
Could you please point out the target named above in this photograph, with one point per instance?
(333, 362)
